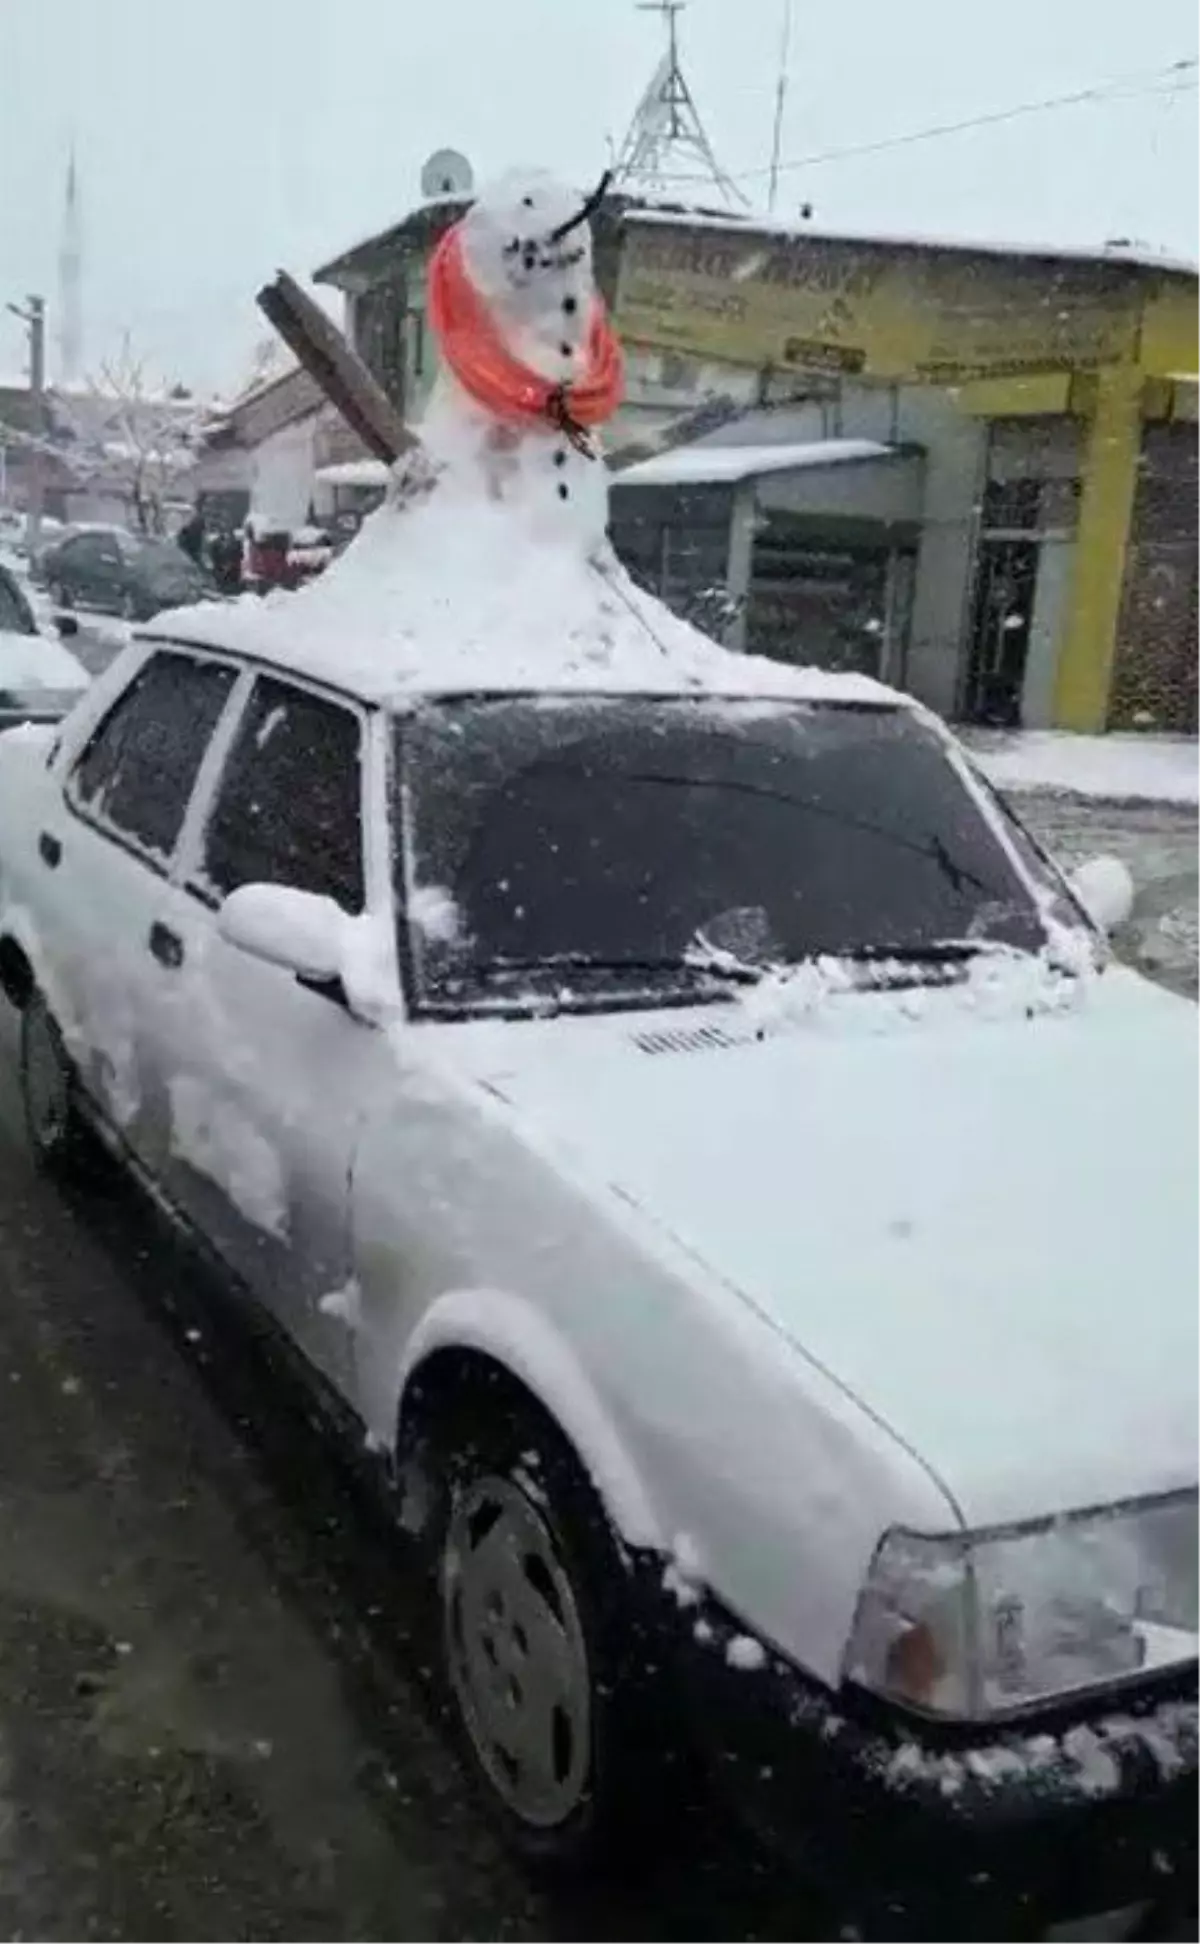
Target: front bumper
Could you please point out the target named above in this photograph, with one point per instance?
(935, 1832)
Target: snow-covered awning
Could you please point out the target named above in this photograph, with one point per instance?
(727, 465)
(354, 472)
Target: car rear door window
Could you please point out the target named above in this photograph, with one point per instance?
(137, 773)
(289, 806)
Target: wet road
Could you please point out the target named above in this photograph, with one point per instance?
(1158, 843)
(209, 1722)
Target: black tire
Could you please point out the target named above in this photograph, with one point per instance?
(496, 1441)
(61, 1142)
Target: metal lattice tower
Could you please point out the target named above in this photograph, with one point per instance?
(666, 146)
(70, 282)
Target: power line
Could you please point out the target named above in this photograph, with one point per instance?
(1120, 88)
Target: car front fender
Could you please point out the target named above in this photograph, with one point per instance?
(512, 1333)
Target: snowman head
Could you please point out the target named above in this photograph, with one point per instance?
(527, 248)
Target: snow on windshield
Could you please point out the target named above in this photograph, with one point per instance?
(684, 842)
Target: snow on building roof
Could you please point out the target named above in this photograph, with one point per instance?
(770, 226)
(354, 472)
(726, 465)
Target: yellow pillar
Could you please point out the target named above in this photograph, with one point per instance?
(1085, 664)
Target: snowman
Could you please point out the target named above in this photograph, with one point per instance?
(491, 547)
(530, 364)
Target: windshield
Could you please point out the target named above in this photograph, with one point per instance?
(163, 560)
(593, 849)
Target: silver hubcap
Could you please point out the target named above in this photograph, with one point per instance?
(516, 1652)
(47, 1082)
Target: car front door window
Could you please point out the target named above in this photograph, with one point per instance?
(81, 567)
(136, 775)
(289, 808)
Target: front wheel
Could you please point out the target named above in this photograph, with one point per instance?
(49, 1095)
(545, 1666)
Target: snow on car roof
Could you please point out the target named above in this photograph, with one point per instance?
(491, 652)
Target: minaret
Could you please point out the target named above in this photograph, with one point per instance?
(666, 151)
(70, 283)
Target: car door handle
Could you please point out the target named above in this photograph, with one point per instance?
(166, 946)
(50, 850)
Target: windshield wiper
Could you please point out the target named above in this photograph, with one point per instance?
(931, 845)
(947, 951)
(718, 965)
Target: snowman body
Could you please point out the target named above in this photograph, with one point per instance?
(489, 559)
(539, 288)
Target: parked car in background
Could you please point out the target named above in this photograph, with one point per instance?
(115, 572)
(13, 540)
(40, 679)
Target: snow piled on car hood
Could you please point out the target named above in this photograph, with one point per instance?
(980, 1221)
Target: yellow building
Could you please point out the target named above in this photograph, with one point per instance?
(1076, 373)
(1026, 552)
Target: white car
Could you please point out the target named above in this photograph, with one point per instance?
(705, 1148)
(40, 679)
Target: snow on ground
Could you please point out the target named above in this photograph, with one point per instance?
(1134, 768)
(1158, 842)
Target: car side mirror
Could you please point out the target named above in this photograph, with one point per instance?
(296, 930)
(1104, 888)
(67, 625)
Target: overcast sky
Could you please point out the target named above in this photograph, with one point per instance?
(220, 139)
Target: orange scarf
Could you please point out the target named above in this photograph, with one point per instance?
(487, 370)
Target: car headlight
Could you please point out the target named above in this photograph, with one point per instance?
(977, 1624)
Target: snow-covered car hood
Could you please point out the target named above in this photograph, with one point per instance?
(36, 662)
(985, 1228)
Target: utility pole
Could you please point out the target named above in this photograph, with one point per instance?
(785, 49)
(34, 320)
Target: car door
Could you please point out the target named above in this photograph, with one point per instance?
(269, 1078)
(104, 858)
(87, 570)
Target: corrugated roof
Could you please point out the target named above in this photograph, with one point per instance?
(767, 226)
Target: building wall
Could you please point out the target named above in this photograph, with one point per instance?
(888, 492)
(955, 450)
(877, 307)
(1154, 678)
(950, 471)
(283, 476)
(1051, 606)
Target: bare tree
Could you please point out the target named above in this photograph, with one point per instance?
(134, 439)
(125, 437)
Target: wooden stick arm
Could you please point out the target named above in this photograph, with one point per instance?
(318, 345)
